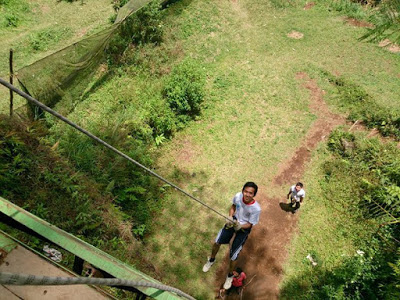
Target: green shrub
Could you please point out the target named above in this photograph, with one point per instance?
(184, 90)
(372, 170)
(341, 142)
(145, 26)
(161, 119)
(133, 190)
(12, 12)
(393, 289)
(32, 176)
(15, 163)
(12, 20)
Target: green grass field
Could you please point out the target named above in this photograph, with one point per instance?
(255, 113)
(43, 27)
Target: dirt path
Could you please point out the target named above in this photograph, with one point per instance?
(265, 250)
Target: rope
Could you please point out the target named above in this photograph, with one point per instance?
(92, 136)
(24, 279)
(241, 292)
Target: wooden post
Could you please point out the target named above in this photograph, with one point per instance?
(11, 81)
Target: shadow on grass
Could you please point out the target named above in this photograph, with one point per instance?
(98, 84)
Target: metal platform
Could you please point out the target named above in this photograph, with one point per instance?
(82, 250)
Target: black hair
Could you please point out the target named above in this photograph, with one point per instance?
(239, 270)
(251, 184)
(299, 184)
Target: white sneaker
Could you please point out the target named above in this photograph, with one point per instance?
(208, 265)
(228, 282)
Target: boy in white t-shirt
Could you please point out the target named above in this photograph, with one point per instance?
(244, 214)
(297, 195)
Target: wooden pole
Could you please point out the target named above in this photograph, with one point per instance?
(11, 81)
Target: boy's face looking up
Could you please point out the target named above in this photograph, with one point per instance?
(248, 194)
(298, 188)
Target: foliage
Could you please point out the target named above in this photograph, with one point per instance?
(40, 181)
(383, 14)
(361, 183)
(387, 23)
(394, 287)
(40, 41)
(184, 90)
(374, 170)
(12, 12)
(351, 9)
(143, 27)
(134, 191)
(363, 107)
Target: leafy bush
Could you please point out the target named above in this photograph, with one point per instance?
(133, 190)
(394, 287)
(161, 119)
(33, 177)
(12, 12)
(145, 26)
(184, 90)
(374, 171)
(341, 142)
(12, 20)
(14, 163)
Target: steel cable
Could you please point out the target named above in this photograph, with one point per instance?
(92, 136)
(24, 279)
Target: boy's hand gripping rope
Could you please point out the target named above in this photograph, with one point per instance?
(92, 136)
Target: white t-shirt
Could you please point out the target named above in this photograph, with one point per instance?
(297, 194)
(246, 213)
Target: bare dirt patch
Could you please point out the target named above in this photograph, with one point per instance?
(187, 151)
(388, 45)
(384, 43)
(394, 48)
(358, 23)
(309, 5)
(292, 170)
(265, 251)
(44, 9)
(295, 35)
(372, 133)
(82, 32)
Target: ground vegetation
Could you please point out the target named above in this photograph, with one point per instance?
(208, 95)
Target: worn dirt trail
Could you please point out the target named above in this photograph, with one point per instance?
(265, 251)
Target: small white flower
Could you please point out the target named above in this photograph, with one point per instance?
(361, 253)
